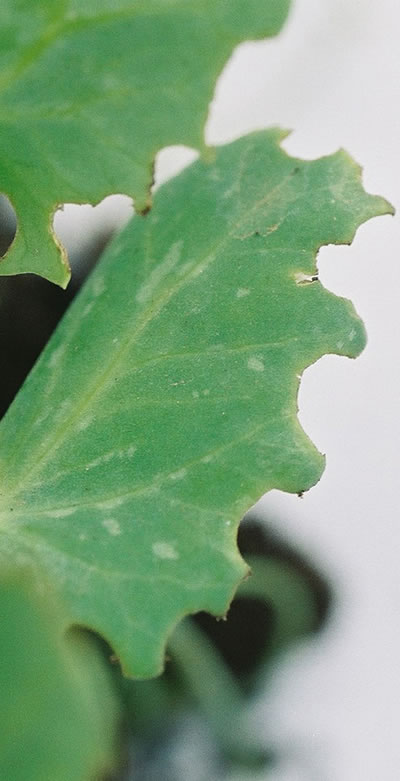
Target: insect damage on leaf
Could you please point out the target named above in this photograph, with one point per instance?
(127, 79)
(166, 402)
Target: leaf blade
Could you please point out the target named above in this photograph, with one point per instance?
(165, 404)
(75, 87)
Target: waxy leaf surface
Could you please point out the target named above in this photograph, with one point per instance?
(89, 92)
(165, 403)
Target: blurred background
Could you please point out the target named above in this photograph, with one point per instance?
(331, 710)
(334, 77)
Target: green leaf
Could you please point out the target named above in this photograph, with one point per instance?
(165, 404)
(58, 711)
(89, 92)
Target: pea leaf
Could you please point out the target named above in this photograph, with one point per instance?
(165, 404)
(89, 92)
(58, 709)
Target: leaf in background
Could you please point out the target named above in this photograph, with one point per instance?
(58, 710)
(89, 92)
(165, 403)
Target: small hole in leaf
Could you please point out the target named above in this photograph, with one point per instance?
(8, 224)
(85, 230)
(170, 161)
(305, 279)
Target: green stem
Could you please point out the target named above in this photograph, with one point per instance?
(216, 692)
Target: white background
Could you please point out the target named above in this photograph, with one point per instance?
(333, 76)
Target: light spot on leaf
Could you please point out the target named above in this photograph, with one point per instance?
(84, 423)
(100, 460)
(202, 266)
(185, 268)
(63, 408)
(63, 512)
(41, 418)
(105, 458)
(112, 526)
(179, 475)
(164, 268)
(206, 459)
(165, 550)
(242, 292)
(56, 356)
(98, 286)
(110, 504)
(87, 308)
(255, 364)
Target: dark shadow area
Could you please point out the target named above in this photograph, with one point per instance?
(8, 224)
(245, 638)
(31, 307)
